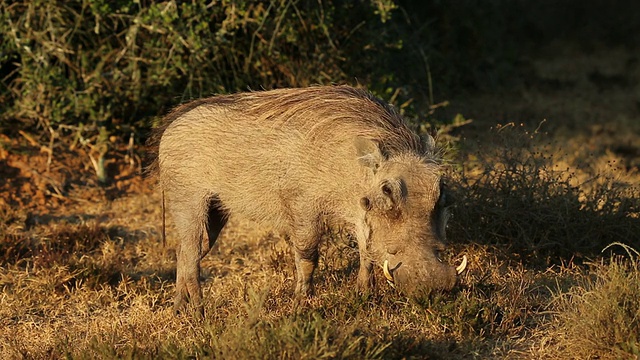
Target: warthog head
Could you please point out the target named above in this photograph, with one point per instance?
(405, 216)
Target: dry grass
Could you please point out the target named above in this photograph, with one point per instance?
(600, 315)
(97, 283)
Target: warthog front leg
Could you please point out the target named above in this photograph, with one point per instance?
(305, 238)
(306, 263)
(365, 273)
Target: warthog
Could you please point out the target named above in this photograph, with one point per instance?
(301, 160)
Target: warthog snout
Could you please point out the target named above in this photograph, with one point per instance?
(422, 278)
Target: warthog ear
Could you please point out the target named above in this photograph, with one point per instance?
(429, 144)
(428, 141)
(368, 153)
(392, 194)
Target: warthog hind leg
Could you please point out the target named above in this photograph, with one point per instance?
(198, 226)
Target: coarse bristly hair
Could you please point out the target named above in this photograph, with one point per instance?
(316, 111)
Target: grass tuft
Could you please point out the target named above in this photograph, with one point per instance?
(600, 316)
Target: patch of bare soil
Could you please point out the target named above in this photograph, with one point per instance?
(43, 179)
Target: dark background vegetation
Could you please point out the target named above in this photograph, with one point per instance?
(120, 64)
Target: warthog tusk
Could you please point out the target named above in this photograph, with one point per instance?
(462, 266)
(385, 269)
(387, 274)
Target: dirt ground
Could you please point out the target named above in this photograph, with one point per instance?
(84, 272)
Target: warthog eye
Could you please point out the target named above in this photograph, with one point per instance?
(438, 254)
(386, 189)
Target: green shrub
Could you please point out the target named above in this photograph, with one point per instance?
(116, 63)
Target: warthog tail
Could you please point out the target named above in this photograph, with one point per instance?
(164, 227)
